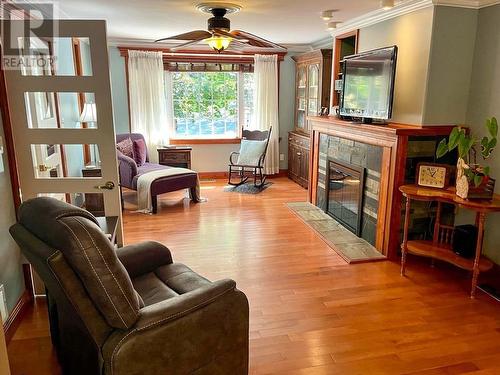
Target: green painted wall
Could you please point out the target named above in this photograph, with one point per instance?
(450, 64)
(11, 274)
(484, 101)
(412, 34)
(118, 90)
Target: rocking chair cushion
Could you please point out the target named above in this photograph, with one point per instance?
(250, 152)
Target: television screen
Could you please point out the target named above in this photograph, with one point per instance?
(368, 84)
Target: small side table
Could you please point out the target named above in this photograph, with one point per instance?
(94, 202)
(175, 156)
(440, 246)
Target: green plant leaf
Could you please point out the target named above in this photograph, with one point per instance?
(442, 148)
(485, 141)
(486, 170)
(464, 145)
(493, 143)
(454, 138)
(492, 126)
(477, 180)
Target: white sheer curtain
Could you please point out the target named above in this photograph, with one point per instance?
(148, 108)
(266, 106)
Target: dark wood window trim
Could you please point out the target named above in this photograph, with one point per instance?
(204, 141)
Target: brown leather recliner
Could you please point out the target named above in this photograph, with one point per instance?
(130, 311)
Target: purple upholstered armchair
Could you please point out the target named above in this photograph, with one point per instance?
(130, 172)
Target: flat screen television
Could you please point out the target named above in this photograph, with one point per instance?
(368, 85)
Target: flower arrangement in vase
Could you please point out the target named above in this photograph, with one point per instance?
(473, 179)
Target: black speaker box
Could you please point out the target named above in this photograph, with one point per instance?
(464, 240)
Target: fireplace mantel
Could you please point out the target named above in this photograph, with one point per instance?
(393, 139)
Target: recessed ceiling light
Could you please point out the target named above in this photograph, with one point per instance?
(387, 4)
(327, 15)
(332, 25)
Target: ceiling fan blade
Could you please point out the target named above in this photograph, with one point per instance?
(192, 35)
(255, 40)
(179, 46)
(220, 32)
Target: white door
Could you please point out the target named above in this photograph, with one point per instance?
(47, 124)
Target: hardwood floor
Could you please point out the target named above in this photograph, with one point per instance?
(310, 312)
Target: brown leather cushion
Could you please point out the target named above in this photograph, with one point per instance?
(166, 282)
(90, 254)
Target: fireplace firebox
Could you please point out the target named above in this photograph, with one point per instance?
(344, 193)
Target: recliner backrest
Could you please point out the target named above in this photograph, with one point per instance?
(75, 233)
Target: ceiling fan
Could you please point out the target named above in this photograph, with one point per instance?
(218, 34)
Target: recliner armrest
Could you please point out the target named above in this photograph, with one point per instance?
(177, 307)
(144, 257)
(195, 331)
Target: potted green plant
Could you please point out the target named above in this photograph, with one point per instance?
(473, 179)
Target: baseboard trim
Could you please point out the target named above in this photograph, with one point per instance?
(16, 316)
(224, 175)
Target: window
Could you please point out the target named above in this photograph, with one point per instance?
(211, 104)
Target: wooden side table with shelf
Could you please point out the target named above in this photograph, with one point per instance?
(94, 202)
(440, 246)
(175, 156)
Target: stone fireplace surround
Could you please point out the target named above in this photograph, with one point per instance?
(384, 152)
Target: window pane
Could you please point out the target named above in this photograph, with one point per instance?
(206, 104)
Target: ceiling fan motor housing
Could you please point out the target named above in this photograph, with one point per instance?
(218, 21)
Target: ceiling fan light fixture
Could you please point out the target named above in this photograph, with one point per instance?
(332, 25)
(387, 4)
(327, 15)
(218, 43)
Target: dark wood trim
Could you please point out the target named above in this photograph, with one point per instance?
(16, 316)
(337, 42)
(201, 56)
(9, 140)
(203, 141)
(77, 61)
(128, 95)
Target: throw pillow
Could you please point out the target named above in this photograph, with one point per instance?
(140, 152)
(250, 152)
(126, 147)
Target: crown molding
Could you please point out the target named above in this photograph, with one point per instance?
(380, 15)
(297, 47)
(471, 4)
(326, 42)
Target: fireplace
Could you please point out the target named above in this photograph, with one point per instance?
(344, 193)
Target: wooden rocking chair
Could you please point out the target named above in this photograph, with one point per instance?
(242, 169)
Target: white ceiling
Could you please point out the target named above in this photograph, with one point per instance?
(281, 21)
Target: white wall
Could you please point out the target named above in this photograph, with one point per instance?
(412, 34)
(207, 158)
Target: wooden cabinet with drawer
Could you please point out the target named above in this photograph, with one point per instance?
(298, 158)
(175, 156)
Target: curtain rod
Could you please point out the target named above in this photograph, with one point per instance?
(207, 55)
